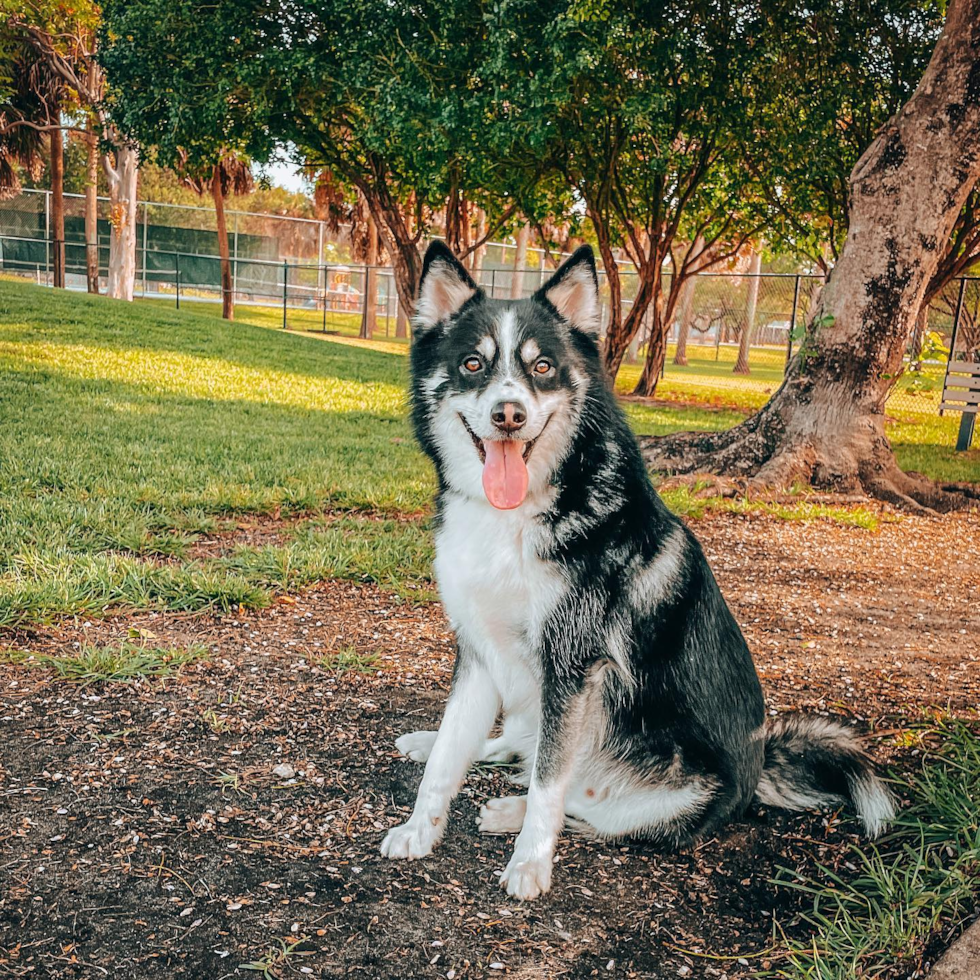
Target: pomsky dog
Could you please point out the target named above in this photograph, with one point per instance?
(585, 612)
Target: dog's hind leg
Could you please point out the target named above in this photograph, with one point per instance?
(416, 746)
(516, 741)
(504, 815)
(671, 811)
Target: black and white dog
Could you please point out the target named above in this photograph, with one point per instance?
(584, 611)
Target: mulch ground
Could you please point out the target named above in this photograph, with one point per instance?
(231, 816)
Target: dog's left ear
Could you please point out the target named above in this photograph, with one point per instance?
(574, 291)
(444, 289)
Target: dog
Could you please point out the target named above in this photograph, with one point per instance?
(584, 611)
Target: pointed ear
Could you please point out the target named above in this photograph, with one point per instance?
(444, 288)
(574, 291)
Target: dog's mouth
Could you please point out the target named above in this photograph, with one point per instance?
(504, 461)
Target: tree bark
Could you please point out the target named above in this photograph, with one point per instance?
(57, 147)
(520, 261)
(123, 177)
(748, 327)
(92, 212)
(224, 249)
(369, 319)
(825, 425)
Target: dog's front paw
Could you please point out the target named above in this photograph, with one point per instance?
(416, 746)
(408, 841)
(526, 879)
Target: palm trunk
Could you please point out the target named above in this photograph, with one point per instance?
(92, 213)
(748, 328)
(224, 249)
(826, 425)
(369, 320)
(58, 203)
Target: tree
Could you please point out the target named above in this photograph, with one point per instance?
(825, 424)
(31, 109)
(156, 53)
(229, 175)
(64, 38)
(635, 109)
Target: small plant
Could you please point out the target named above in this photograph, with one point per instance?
(274, 960)
(347, 659)
(110, 665)
(217, 723)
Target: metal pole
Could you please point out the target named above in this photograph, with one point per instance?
(144, 249)
(285, 279)
(47, 233)
(792, 321)
(957, 317)
(177, 276)
(234, 263)
(326, 279)
(967, 422)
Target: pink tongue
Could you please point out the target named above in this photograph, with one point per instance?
(504, 474)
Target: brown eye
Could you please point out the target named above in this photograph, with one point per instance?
(473, 364)
(542, 367)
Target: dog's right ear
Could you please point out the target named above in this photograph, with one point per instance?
(444, 288)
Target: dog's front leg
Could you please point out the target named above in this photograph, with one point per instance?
(470, 713)
(563, 726)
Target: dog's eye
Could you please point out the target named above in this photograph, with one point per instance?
(543, 366)
(473, 364)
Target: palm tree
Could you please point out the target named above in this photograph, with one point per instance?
(230, 174)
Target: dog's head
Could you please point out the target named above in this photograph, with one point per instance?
(498, 385)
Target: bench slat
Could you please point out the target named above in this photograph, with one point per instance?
(961, 404)
(970, 384)
(962, 367)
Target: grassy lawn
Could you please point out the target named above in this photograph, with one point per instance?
(132, 434)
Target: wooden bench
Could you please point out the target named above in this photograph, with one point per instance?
(961, 393)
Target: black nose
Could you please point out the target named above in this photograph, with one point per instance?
(509, 416)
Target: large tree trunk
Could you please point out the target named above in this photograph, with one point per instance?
(122, 177)
(224, 249)
(520, 261)
(369, 319)
(825, 424)
(58, 203)
(92, 212)
(748, 327)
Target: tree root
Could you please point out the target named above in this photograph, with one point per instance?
(756, 452)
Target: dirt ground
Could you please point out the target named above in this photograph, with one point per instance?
(228, 820)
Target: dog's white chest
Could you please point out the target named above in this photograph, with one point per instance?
(496, 591)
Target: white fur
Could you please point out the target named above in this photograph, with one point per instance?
(652, 584)
(442, 294)
(576, 299)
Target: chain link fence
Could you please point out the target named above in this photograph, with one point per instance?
(729, 341)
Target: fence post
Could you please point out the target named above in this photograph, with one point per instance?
(47, 234)
(957, 316)
(177, 275)
(144, 250)
(234, 264)
(285, 281)
(792, 321)
(326, 279)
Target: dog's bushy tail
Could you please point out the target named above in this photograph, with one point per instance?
(813, 762)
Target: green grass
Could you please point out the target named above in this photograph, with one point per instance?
(878, 920)
(129, 431)
(348, 660)
(109, 664)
